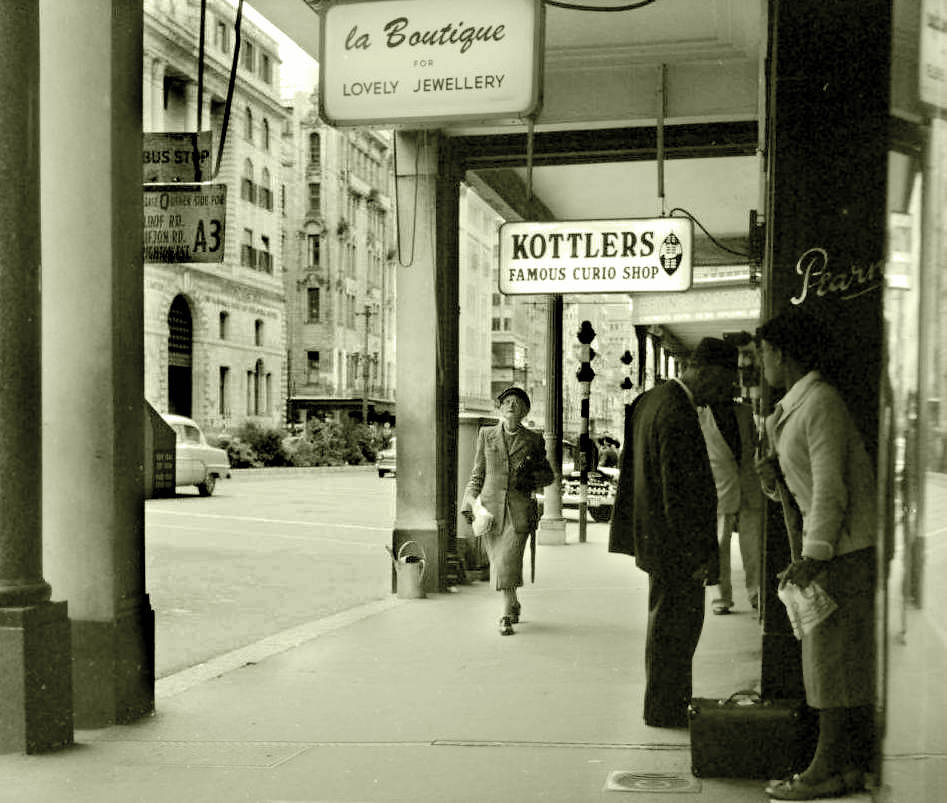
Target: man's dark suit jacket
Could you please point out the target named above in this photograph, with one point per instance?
(665, 512)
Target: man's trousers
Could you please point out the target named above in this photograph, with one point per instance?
(675, 619)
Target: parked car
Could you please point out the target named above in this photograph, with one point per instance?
(602, 483)
(196, 462)
(387, 460)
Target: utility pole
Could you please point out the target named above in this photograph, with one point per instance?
(585, 375)
(365, 363)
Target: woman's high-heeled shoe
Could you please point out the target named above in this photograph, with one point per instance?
(506, 626)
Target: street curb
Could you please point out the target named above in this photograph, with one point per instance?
(271, 645)
(275, 472)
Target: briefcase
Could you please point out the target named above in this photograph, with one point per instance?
(744, 736)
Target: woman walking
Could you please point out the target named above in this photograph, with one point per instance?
(509, 467)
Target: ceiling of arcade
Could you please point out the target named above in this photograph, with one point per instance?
(601, 75)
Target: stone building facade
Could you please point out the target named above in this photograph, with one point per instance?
(215, 333)
(340, 258)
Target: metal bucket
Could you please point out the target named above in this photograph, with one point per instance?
(409, 570)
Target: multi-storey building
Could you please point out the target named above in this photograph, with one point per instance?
(339, 260)
(478, 266)
(215, 332)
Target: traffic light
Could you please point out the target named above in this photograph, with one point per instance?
(586, 335)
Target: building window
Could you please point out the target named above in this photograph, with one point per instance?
(315, 198)
(312, 297)
(282, 198)
(266, 134)
(495, 324)
(312, 367)
(249, 392)
(224, 330)
(247, 187)
(223, 391)
(314, 243)
(258, 332)
(506, 324)
(247, 55)
(222, 36)
(264, 257)
(314, 150)
(248, 125)
(266, 68)
(265, 194)
(247, 251)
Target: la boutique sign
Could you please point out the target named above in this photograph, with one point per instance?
(597, 256)
(421, 63)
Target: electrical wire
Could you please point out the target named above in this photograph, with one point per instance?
(414, 222)
(719, 245)
(230, 86)
(580, 7)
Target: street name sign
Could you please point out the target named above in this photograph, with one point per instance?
(421, 63)
(596, 256)
(169, 156)
(184, 222)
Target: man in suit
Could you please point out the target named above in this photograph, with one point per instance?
(665, 515)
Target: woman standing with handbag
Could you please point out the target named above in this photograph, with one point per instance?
(509, 467)
(821, 458)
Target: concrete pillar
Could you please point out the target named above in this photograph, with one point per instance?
(93, 357)
(35, 686)
(825, 232)
(427, 299)
(552, 525)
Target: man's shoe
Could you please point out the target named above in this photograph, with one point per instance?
(506, 626)
(797, 789)
(515, 613)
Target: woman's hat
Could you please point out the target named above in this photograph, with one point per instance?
(515, 391)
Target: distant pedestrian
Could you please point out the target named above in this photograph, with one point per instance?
(730, 435)
(665, 516)
(509, 467)
(820, 460)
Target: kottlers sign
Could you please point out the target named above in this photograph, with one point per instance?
(596, 256)
(423, 62)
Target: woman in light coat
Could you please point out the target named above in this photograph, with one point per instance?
(820, 456)
(509, 467)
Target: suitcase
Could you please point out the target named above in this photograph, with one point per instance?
(744, 736)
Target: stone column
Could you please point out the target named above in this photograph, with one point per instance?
(35, 685)
(427, 352)
(93, 356)
(157, 95)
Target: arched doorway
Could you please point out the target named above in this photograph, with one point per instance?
(180, 347)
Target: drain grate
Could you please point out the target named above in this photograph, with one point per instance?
(623, 781)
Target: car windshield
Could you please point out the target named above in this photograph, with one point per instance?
(187, 434)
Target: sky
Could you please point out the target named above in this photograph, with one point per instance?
(299, 72)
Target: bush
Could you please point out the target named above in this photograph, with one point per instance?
(324, 443)
(265, 445)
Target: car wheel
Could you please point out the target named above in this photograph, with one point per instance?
(381, 473)
(603, 513)
(206, 488)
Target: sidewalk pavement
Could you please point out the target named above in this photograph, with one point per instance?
(421, 700)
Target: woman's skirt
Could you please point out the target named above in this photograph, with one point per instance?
(505, 550)
(838, 656)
